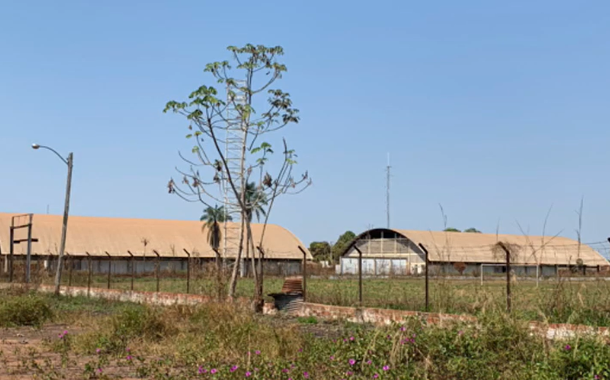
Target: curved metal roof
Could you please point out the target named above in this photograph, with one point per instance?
(479, 248)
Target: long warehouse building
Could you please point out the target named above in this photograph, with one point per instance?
(399, 252)
(116, 240)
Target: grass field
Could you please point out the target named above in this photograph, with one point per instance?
(45, 337)
(564, 301)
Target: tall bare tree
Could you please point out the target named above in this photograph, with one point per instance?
(248, 77)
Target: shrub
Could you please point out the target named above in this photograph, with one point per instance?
(24, 310)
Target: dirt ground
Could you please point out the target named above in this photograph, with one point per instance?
(25, 352)
(24, 355)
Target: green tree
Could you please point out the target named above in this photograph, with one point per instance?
(320, 250)
(246, 80)
(451, 229)
(256, 200)
(341, 244)
(211, 218)
(472, 230)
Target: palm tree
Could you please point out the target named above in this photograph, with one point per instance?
(255, 200)
(212, 217)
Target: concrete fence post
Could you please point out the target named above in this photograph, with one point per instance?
(188, 271)
(109, 268)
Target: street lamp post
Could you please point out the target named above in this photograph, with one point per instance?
(64, 228)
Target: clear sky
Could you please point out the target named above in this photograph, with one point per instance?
(497, 110)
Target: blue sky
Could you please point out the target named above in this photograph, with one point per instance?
(496, 110)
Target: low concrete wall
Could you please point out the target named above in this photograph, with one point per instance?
(328, 312)
(377, 316)
(560, 331)
(150, 298)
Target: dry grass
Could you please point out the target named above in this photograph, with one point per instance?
(107, 340)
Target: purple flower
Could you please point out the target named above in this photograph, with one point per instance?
(285, 370)
(98, 350)
(129, 357)
(99, 370)
(248, 374)
(306, 375)
(376, 376)
(202, 370)
(349, 373)
(403, 328)
(568, 347)
(234, 368)
(257, 352)
(369, 362)
(332, 358)
(213, 371)
(300, 350)
(386, 367)
(352, 362)
(127, 349)
(351, 338)
(460, 332)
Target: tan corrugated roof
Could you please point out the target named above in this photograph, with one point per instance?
(478, 248)
(98, 235)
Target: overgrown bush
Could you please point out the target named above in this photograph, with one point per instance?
(24, 310)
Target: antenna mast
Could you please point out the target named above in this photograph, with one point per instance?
(233, 142)
(388, 192)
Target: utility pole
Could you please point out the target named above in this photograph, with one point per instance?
(64, 229)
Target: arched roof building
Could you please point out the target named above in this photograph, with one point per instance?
(99, 236)
(399, 251)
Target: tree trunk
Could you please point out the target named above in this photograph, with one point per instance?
(253, 261)
(233, 283)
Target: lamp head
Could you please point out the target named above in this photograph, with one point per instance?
(35, 146)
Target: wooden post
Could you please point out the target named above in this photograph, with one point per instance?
(157, 265)
(261, 269)
(188, 271)
(132, 268)
(507, 252)
(109, 268)
(359, 274)
(29, 251)
(71, 264)
(89, 274)
(304, 273)
(38, 267)
(11, 254)
(427, 264)
(219, 270)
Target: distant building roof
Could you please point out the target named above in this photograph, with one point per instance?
(117, 236)
(479, 248)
